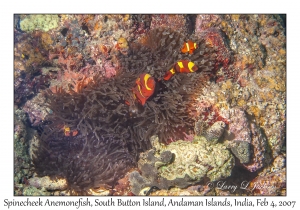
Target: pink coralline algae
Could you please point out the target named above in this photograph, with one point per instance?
(26, 86)
(176, 22)
(211, 114)
(273, 183)
(36, 110)
(238, 128)
(110, 70)
(204, 22)
(211, 122)
(216, 38)
(259, 157)
(141, 24)
(272, 180)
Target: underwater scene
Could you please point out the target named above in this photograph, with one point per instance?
(149, 104)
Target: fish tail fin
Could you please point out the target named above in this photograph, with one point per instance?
(168, 75)
(127, 103)
(142, 101)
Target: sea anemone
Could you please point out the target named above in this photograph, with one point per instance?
(110, 134)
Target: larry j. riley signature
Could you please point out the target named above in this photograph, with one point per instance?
(245, 185)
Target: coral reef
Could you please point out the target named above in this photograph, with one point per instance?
(32, 191)
(259, 43)
(176, 22)
(84, 162)
(241, 149)
(89, 130)
(26, 88)
(31, 52)
(214, 133)
(175, 191)
(163, 46)
(254, 147)
(266, 90)
(36, 110)
(22, 161)
(181, 164)
(210, 122)
(94, 114)
(238, 129)
(47, 183)
(101, 138)
(123, 185)
(270, 184)
(39, 22)
(204, 22)
(272, 180)
(140, 24)
(216, 38)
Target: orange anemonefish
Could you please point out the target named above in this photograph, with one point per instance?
(144, 88)
(189, 46)
(182, 66)
(68, 132)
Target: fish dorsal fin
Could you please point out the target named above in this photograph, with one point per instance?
(138, 81)
(191, 65)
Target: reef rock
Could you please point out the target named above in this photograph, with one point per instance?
(273, 184)
(181, 164)
(47, 183)
(272, 180)
(241, 149)
(40, 22)
(36, 110)
(260, 156)
(214, 133)
(238, 128)
(176, 22)
(253, 152)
